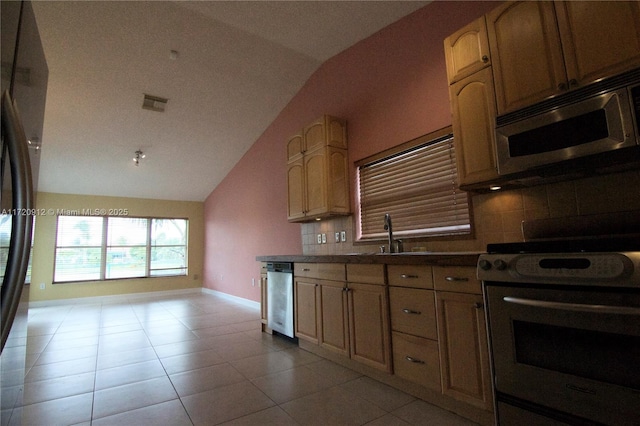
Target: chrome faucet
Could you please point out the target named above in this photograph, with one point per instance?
(388, 227)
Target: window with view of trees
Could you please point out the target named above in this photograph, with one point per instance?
(90, 248)
(416, 183)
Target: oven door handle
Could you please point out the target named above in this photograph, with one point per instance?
(578, 307)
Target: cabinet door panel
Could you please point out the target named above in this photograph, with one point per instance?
(473, 110)
(295, 184)
(463, 348)
(339, 185)
(334, 332)
(369, 325)
(600, 38)
(306, 309)
(315, 179)
(527, 60)
(467, 50)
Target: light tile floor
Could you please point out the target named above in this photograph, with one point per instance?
(192, 359)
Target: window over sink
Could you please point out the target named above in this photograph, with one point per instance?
(416, 183)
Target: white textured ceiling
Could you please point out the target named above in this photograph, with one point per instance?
(239, 64)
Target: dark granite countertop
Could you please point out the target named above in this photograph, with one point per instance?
(407, 258)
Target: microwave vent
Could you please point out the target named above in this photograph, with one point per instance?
(154, 103)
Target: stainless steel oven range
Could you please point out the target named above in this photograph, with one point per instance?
(563, 319)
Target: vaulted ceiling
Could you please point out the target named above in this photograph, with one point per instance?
(235, 65)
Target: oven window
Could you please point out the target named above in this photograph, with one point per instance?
(605, 357)
(573, 131)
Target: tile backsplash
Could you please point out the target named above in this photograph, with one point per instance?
(498, 216)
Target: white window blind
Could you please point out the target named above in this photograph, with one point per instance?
(418, 188)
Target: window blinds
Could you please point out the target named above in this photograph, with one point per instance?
(418, 188)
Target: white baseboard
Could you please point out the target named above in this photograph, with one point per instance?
(112, 298)
(241, 300)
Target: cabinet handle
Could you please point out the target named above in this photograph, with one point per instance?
(562, 86)
(485, 58)
(573, 82)
(408, 276)
(478, 305)
(409, 311)
(306, 270)
(414, 360)
(456, 279)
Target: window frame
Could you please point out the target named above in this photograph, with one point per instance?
(414, 144)
(105, 246)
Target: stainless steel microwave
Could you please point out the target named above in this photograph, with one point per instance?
(592, 125)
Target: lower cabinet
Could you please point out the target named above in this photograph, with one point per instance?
(425, 324)
(369, 333)
(464, 353)
(306, 308)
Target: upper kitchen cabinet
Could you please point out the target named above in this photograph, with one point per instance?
(541, 49)
(317, 171)
(467, 50)
(472, 99)
(473, 115)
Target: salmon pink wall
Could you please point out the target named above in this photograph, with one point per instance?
(390, 87)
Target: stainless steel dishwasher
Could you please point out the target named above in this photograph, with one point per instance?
(280, 297)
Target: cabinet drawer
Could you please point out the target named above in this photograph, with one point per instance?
(413, 311)
(418, 276)
(368, 274)
(325, 271)
(416, 359)
(459, 279)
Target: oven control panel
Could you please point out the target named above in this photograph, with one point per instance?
(608, 269)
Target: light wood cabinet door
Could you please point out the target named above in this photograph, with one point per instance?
(315, 177)
(334, 322)
(369, 326)
(338, 180)
(464, 354)
(526, 53)
(296, 189)
(473, 111)
(307, 303)
(467, 50)
(599, 38)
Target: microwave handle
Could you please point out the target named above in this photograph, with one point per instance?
(578, 307)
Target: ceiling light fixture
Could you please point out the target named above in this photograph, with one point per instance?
(139, 156)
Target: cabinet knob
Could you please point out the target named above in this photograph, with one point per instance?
(573, 82)
(478, 305)
(410, 311)
(485, 58)
(562, 86)
(414, 360)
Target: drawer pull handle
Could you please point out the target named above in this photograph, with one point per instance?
(456, 279)
(306, 270)
(409, 311)
(408, 276)
(414, 360)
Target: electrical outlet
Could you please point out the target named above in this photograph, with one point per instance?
(42, 286)
(324, 238)
(337, 237)
(319, 239)
(343, 236)
(253, 282)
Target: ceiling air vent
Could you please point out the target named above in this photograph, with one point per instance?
(154, 103)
